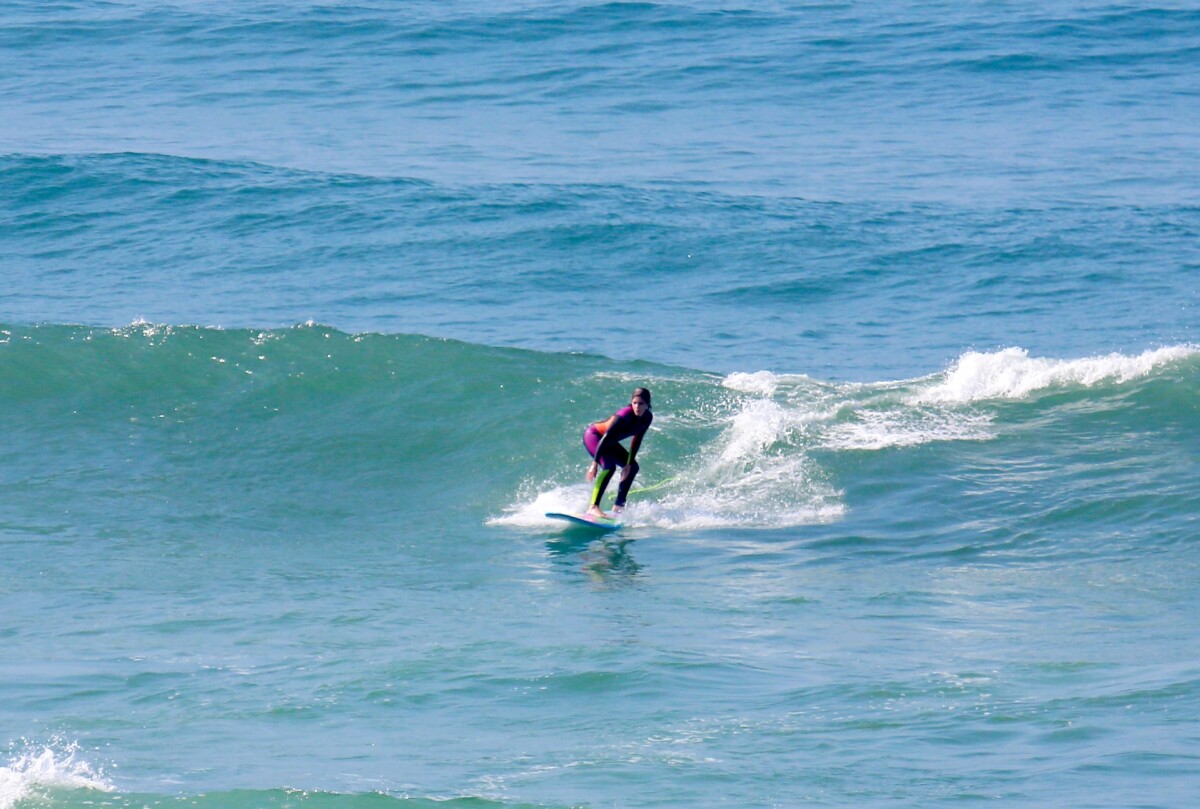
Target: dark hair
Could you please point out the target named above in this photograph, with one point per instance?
(641, 393)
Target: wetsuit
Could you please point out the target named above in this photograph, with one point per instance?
(606, 450)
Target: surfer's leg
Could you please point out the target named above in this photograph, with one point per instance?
(591, 440)
(602, 480)
(624, 486)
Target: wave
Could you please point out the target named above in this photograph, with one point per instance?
(247, 421)
(56, 775)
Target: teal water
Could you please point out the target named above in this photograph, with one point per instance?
(305, 308)
(246, 560)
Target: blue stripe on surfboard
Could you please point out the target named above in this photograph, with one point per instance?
(599, 523)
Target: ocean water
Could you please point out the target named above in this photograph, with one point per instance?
(304, 307)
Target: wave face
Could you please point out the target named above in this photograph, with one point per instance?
(244, 426)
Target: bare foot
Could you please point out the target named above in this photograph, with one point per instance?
(595, 511)
(618, 510)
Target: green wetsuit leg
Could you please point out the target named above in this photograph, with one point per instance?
(602, 479)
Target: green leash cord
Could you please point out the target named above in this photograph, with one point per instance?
(644, 489)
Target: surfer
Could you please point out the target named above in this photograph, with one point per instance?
(602, 440)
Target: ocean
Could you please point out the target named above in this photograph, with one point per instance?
(305, 307)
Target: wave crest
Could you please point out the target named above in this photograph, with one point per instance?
(1012, 374)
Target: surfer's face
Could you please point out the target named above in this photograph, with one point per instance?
(639, 407)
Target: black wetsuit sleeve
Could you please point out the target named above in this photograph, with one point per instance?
(636, 444)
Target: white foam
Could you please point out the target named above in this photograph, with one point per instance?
(756, 427)
(1013, 374)
(876, 430)
(724, 509)
(47, 766)
(763, 383)
(746, 491)
(532, 514)
(753, 473)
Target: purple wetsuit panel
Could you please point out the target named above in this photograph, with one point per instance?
(591, 440)
(612, 453)
(628, 424)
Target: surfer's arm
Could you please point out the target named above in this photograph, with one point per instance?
(634, 445)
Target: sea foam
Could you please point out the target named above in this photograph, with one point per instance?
(56, 765)
(1013, 374)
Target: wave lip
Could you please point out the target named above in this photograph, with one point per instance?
(52, 766)
(1012, 374)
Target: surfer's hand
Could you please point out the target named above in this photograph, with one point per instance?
(591, 473)
(624, 473)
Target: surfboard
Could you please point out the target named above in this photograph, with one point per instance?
(586, 521)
